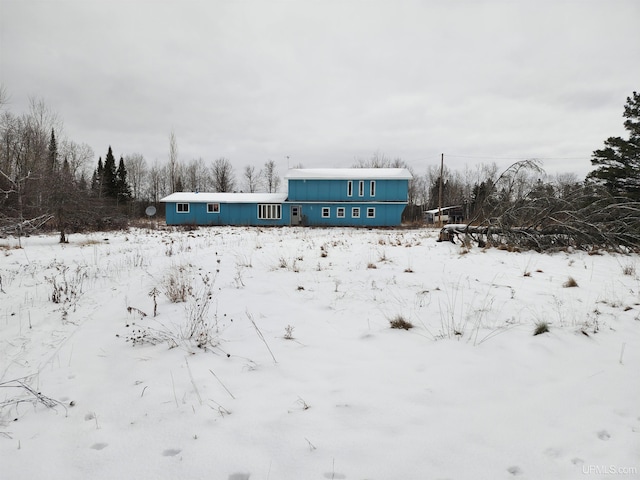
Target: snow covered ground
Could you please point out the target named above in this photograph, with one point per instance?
(281, 363)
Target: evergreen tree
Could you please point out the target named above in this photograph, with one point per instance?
(66, 169)
(82, 183)
(123, 189)
(619, 162)
(96, 179)
(53, 152)
(109, 181)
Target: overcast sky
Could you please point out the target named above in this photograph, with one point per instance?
(324, 83)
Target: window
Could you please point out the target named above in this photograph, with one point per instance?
(361, 188)
(372, 188)
(182, 207)
(371, 212)
(326, 212)
(340, 212)
(213, 208)
(355, 212)
(268, 211)
(349, 188)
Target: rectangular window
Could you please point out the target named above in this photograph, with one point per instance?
(269, 211)
(340, 212)
(213, 208)
(355, 212)
(372, 188)
(182, 207)
(361, 188)
(326, 212)
(371, 212)
(349, 188)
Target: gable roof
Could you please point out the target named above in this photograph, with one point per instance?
(225, 197)
(349, 174)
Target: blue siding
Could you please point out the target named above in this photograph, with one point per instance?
(386, 214)
(230, 214)
(337, 190)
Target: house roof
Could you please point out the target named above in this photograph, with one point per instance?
(444, 209)
(225, 197)
(349, 173)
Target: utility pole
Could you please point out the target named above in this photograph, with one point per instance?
(440, 191)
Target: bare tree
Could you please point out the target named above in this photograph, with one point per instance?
(566, 183)
(251, 178)
(222, 175)
(173, 161)
(77, 155)
(24, 164)
(136, 173)
(196, 176)
(157, 182)
(4, 97)
(420, 190)
(271, 179)
(377, 160)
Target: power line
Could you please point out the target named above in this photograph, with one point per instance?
(495, 157)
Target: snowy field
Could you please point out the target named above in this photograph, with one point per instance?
(281, 362)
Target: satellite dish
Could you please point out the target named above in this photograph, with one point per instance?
(150, 211)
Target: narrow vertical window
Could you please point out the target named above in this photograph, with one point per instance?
(361, 188)
(372, 188)
(350, 188)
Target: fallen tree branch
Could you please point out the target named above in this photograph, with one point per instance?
(15, 226)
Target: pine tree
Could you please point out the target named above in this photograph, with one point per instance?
(619, 162)
(96, 179)
(123, 189)
(82, 183)
(53, 152)
(109, 182)
(66, 169)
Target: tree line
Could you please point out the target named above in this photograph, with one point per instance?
(50, 181)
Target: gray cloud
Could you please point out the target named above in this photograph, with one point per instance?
(326, 82)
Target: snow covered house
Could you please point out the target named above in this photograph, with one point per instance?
(366, 197)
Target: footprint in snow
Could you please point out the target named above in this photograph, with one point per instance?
(239, 476)
(337, 476)
(171, 452)
(604, 435)
(99, 446)
(553, 452)
(515, 470)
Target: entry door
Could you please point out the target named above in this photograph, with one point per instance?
(296, 215)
